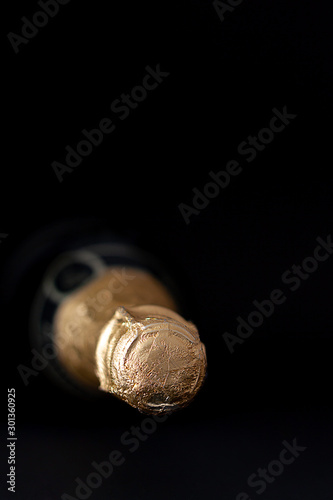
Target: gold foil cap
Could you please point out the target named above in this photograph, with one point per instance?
(150, 357)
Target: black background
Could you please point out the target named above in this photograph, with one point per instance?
(225, 79)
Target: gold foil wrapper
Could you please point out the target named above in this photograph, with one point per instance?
(156, 363)
(121, 333)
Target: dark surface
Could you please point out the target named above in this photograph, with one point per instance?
(225, 79)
